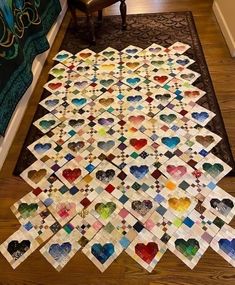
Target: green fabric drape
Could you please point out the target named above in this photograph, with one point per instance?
(24, 25)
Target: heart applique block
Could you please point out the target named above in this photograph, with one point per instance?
(85, 55)
(205, 140)
(106, 122)
(135, 98)
(105, 210)
(52, 103)
(102, 253)
(62, 56)
(171, 142)
(26, 210)
(161, 79)
(136, 120)
(79, 102)
(183, 61)
(17, 249)
(188, 248)
(106, 83)
(54, 86)
(228, 246)
(163, 97)
(146, 252)
(37, 175)
(76, 123)
(60, 251)
(64, 210)
(41, 148)
(46, 124)
(179, 204)
(223, 206)
(139, 171)
(105, 176)
(71, 174)
(213, 169)
(200, 117)
(106, 102)
(76, 146)
(168, 118)
(138, 143)
(106, 146)
(142, 207)
(108, 53)
(133, 81)
(176, 171)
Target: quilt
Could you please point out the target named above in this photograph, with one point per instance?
(123, 164)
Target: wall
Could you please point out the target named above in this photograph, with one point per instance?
(6, 141)
(225, 13)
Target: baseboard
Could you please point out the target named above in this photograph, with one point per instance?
(7, 140)
(224, 28)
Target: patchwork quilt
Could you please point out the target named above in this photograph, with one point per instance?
(124, 164)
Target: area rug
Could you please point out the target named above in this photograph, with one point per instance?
(124, 163)
(143, 30)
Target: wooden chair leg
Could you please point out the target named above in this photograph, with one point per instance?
(100, 16)
(123, 13)
(74, 16)
(91, 26)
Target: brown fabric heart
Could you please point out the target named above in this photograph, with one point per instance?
(205, 140)
(36, 175)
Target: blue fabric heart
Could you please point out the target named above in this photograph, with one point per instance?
(201, 117)
(132, 51)
(228, 247)
(52, 103)
(59, 252)
(135, 98)
(171, 142)
(41, 148)
(79, 102)
(139, 171)
(133, 81)
(182, 61)
(102, 253)
(62, 56)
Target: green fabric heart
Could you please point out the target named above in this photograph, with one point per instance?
(188, 248)
(168, 118)
(26, 210)
(105, 210)
(213, 169)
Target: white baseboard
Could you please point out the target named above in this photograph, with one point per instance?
(6, 141)
(224, 28)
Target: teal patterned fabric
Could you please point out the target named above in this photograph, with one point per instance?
(23, 28)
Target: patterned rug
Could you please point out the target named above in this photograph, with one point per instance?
(143, 30)
(124, 163)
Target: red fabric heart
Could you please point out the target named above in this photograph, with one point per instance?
(176, 171)
(160, 79)
(146, 252)
(136, 119)
(191, 93)
(138, 144)
(54, 86)
(71, 175)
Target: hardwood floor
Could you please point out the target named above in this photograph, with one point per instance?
(212, 269)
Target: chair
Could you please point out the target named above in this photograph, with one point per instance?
(91, 6)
